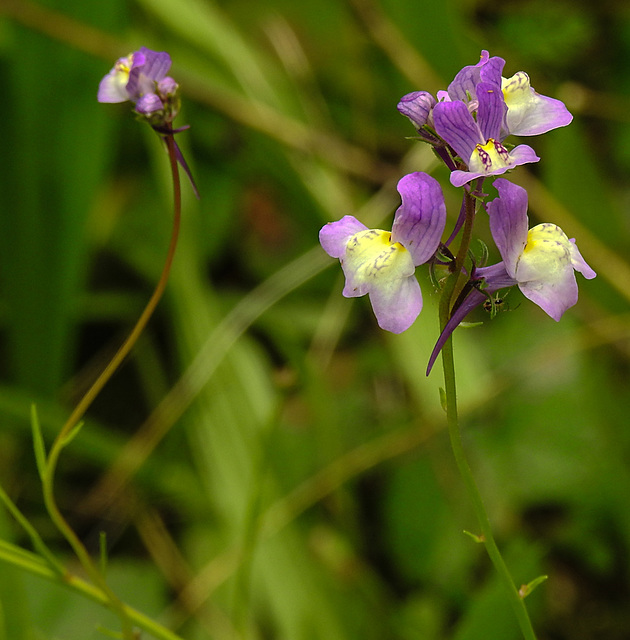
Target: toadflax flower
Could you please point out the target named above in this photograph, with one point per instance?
(141, 78)
(542, 261)
(477, 142)
(528, 112)
(382, 263)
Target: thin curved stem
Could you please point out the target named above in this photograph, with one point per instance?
(448, 294)
(77, 414)
(34, 564)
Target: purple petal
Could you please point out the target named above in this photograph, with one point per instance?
(113, 87)
(578, 262)
(553, 297)
(148, 68)
(417, 107)
(459, 178)
(397, 306)
(149, 103)
(465, 84)
(495, 277)
(492, 70)
(156, 64)
(455, 125)
(491, 110)
(167, 86)
(530, 113)
(420, 220)
(523, 154)
(334, 236)
(508, 222)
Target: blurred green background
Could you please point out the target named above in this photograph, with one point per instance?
(268, 464)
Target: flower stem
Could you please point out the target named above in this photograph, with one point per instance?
(449, 293)
(77, 414)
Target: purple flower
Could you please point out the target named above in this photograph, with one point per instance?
(382, 263)
(528, 113)
(417, 106)
(542, 261)
(477, 142)
(141, 78)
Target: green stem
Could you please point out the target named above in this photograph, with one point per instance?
(49, 477)
(449, 293)
(35, 565)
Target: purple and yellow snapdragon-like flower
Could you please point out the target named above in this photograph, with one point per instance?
(477, 112)
(542, 261)
(382, 263)
(477, 142)
(141, 78)
(528, 112)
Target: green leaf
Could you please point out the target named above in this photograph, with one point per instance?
(526, 589)
(72, 434)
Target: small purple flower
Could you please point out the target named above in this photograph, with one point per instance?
(477, 142)
(542, 261)
(141, 78)
(382, 263)
(417, 106)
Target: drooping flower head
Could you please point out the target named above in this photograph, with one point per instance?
(382, 263)
(542, 261)
(141, 78)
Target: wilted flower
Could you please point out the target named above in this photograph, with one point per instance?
(382, 263)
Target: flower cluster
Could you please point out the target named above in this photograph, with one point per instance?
(467, 125)
(141, 78)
